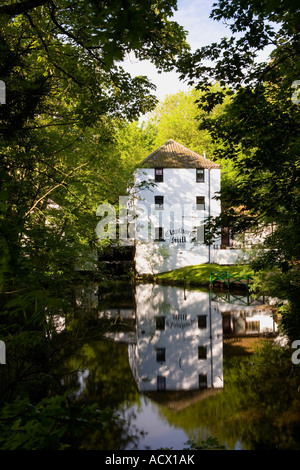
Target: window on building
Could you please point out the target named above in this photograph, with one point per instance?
(199, 175)
(159, 202)
(160, 323)
(200, 202)
(202, 381)
(202, 354)
(159, 175)
(159, 234)
(161, 382)
(160, 354)
(202, 323)
(253, 326)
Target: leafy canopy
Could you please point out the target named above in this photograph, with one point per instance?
(67, 97)
(259, 130)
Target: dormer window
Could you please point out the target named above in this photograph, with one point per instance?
(159, 175)
(199, 175)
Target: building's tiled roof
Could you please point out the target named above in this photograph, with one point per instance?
(174, 155)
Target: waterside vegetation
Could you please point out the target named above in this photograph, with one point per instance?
(70, 141)
(198, 275)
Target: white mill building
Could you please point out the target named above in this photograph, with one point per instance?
(176, 191)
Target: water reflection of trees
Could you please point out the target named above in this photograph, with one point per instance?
(108, 382)
(260, 403)
(258, 408)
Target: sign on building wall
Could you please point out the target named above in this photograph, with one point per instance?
(179, 235)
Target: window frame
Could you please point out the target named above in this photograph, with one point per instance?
(200, 175)
(200, 203)
(160, 232)
(199, 238)
(160, 322)
(202, 353)
(160, 354)
(202, 322)
(160, 383)
(159, 205)
(202, 378)
(159, 178)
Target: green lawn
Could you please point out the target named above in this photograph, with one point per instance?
(200, 274)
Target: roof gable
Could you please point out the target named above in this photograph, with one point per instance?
(174, 155)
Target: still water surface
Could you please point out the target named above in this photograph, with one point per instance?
(169, 363)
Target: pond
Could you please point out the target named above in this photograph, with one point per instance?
(177, 365)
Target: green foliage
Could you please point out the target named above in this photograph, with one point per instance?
(200, 274)
(257, 409)
(258, 131)
(66, 98)
(257, 379)
(252, 26)
(48, 424)
(178, 118)
(211, 443)
(68, 101)
(134, 142)
(290, 319)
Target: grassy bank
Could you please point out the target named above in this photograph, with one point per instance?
(198, 275)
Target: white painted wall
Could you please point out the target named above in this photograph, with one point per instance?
(152, 257)
(179, 218)
(229, 256)
(180, 187)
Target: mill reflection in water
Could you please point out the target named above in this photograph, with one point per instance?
(176, 339)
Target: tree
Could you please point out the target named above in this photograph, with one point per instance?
(62, 79)
(259, 130)
(135, 141)
(178, 118)
(66, 98)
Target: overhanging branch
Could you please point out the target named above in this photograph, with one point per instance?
(18, 8)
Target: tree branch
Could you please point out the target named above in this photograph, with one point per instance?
(18, 8)
(62, 183)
